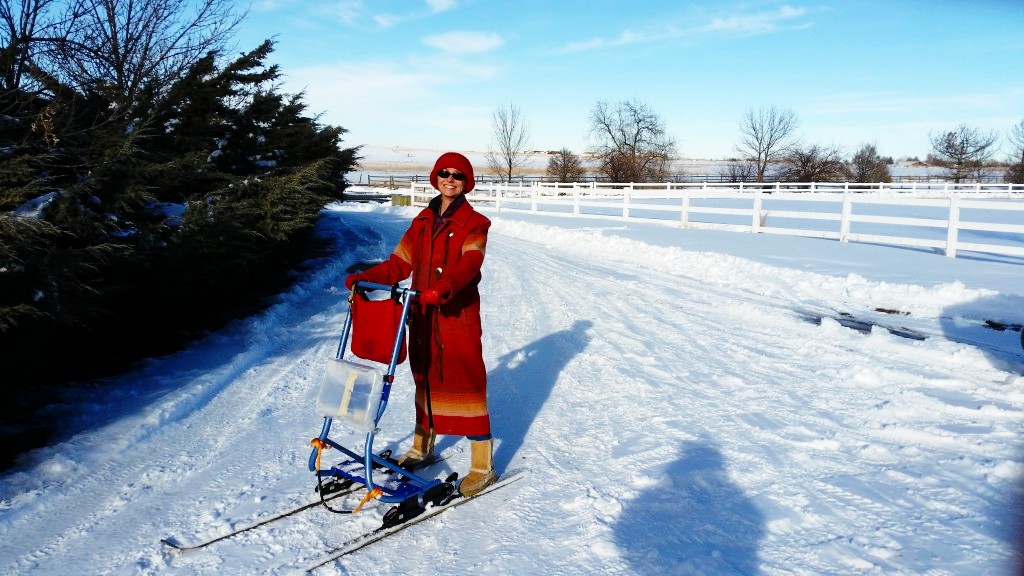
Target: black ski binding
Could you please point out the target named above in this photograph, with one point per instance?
(413, 506)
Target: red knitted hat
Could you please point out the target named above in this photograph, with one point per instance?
(457, 161)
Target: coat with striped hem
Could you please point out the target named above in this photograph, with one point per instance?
(445, 350)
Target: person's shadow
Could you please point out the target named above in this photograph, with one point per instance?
(522, 382)
(993, 324)
(693, 521)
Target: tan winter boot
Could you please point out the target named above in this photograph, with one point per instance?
(481, 469)
(422, 451)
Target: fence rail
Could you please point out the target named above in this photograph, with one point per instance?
(979, 217)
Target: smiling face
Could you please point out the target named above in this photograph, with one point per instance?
(451, 183)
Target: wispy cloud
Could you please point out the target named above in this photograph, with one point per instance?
(349, 11)
(440, 5)
(734, 23)
(465, 42)
(757, 23)
(388, 20)
(383, 82)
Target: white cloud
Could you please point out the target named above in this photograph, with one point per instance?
(440, 5)
(758, 23)
(386, 20)
(348, 11)
(465, 42)
(744, 24)
(389, 102)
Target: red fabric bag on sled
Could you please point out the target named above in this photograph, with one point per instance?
(374, 328)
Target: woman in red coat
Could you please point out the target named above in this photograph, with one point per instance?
(443, 250)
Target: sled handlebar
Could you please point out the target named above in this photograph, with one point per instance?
(395, 289)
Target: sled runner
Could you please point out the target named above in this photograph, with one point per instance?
(355, 392)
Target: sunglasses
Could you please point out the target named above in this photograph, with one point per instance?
(443, 174)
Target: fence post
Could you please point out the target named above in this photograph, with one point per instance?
(625, 201)
(954, 225)
(534, 192)
(575, 200)
(844, 222)
(755, 224)
(684, 212)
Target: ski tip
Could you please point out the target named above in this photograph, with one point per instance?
(173, 542)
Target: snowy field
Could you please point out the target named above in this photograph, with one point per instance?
(683, 402)
(380, 161)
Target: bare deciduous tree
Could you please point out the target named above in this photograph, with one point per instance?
(510, 138)
(814, 163)
(964, 149)
(742, 171)
(118, 47)
(764, 136)
(867, 166)
(565, 166)
(1015, 138)
(632, 142)
(22, 24)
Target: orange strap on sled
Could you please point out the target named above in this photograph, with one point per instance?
(320, 446)
(375, 493)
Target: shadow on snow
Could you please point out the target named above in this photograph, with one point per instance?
(522, 382)
(693, 521)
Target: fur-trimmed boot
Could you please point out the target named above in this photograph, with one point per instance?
(481, 469)
(422, 451)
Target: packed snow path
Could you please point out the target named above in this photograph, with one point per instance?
(673, 411)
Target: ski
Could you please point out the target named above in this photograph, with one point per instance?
(177, 544)
(378, 534)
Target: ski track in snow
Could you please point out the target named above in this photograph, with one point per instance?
(676, 415)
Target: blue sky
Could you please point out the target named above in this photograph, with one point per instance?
(431, 73)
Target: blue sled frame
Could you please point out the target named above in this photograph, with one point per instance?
(410, 485)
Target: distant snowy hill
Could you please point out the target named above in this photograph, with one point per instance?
(398, 160)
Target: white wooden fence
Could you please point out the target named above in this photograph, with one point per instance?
(985, 218)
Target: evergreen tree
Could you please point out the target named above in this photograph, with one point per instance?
(122, 237)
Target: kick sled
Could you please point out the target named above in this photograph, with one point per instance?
(355, 392)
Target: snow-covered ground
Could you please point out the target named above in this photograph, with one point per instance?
(677, 400)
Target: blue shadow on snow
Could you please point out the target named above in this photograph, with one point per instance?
(993, 324)
(519, 386)
(694, 521)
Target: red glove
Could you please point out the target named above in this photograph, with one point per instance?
(429, 297)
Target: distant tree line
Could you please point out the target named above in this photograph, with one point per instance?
(632, 144)
(151, 188)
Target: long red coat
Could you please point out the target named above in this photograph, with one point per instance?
(445, 351)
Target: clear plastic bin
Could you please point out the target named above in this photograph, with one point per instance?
(350, 392)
